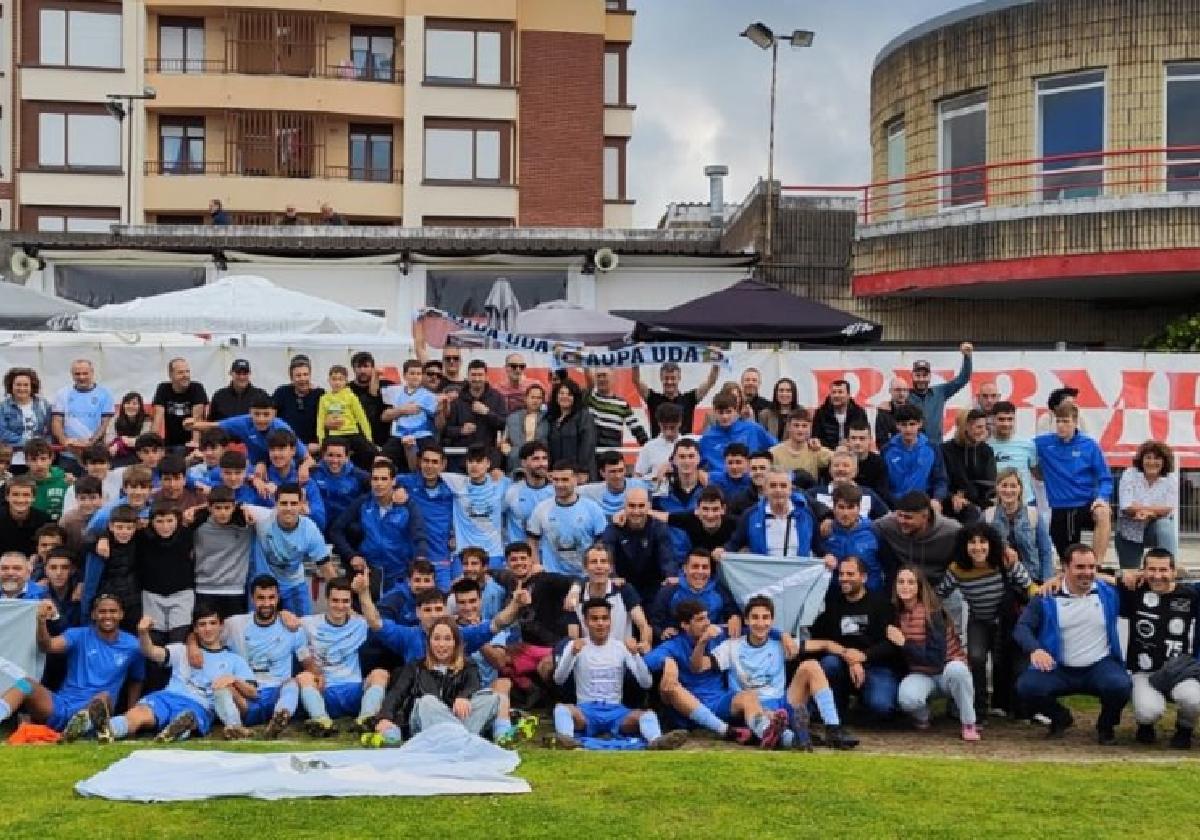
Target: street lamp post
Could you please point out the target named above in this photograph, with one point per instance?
(120, 112)
(762, 36)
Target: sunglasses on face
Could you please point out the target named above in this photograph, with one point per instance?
(514, 366)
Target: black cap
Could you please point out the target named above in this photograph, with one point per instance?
(1058, 395)
(921, 364)
(239, 366)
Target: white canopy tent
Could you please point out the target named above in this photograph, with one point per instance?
(558, 319)
(24, 308)
(240, 304)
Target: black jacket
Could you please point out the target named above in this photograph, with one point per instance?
(885, 426)
(486, 425)
(825, 424)
(413, 681)
(18, 536)
(971, 470)
(574, 440)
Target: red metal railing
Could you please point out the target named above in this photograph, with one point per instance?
(1022, 182)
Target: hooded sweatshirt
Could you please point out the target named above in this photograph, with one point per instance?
(1075, 471)
(717, 437)
(971, 469)
(916, 467)
(930, 551)
(713, 595)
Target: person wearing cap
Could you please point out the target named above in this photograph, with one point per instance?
(669, 375)
(235, 398)
(296, 403)
(932, 399)
(368, 386)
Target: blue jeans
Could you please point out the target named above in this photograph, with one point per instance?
(878, 691)
(1106, 679)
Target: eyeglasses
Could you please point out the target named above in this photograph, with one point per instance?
(514, 366)
(451, 358)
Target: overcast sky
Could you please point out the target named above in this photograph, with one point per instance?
(702, 93)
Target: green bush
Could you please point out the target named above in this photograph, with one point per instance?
(1182, 334)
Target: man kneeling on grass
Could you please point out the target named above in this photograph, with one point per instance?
(187, 704)
(599, 663)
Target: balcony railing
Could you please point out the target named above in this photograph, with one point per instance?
(1021, 182)
(346, 71)
(327, 172)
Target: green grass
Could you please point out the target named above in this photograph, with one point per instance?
(693, 793)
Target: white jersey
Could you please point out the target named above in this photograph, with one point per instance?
(600, 671)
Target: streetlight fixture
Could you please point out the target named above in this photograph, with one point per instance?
(764, 37)
(120, 106)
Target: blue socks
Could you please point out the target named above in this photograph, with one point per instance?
(564, 724)
(289, 697)
(708, 720)
(372, 701)
(119, 726)
(827, 706)
(648, 726)
(314, 703)
(226, 708)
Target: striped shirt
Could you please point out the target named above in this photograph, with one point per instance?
(984, 589)
(611, 415)
(914, 624)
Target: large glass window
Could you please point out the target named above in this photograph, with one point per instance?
(370, 153)
(466, 153)
(1070, 112)
(181, 144)
(467, 55)
(614, 77)
(1183, 126)
(373, 52)
(181, 45)
(74, 38)
(962, 150)
(84, 141)
(896, 167)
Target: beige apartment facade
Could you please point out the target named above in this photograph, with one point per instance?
(394, 112)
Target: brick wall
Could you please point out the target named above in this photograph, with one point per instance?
(1004, 52)
(560, 130)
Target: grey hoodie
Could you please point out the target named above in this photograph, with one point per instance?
(930, 551)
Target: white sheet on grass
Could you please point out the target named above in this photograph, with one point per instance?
(445, 759)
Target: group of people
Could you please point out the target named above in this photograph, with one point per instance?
(483, 548)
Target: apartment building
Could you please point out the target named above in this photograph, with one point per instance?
(393, 112)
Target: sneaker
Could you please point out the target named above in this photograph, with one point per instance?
(776, 725)
(320, 727)
(1182, 739)
(672, 740)
(237, 733)
(970, 732)
(558, 741)
(371, 739)
(739, 735)
(506, 739)
(277, 724)
(527, 726)
(1145, 734)
(840, 738)
(921, 723)
(1058, 728)
(363, 725)
(76, 727)
(182, 725)
(1106, 736)
(1042, 719)
(998, 712)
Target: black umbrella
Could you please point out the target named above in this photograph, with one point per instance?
(753, 311)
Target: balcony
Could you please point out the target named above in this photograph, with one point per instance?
(379, 8)
(180, 186)
(1120, 224)
(371, 92)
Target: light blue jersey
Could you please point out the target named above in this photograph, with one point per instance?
(335, 647)
(519, 504)
(419, 425)
(611, 503)
(95, 665)
(1019, 454)
(564, 533)
(196, 683)
(82, 411)
(758, 667)
(478, 512)
(283, 552)
(267, 650)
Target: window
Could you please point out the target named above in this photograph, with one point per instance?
(1183, 127)
(371, 153)
(181, 145)
(373, 52)
(77, 38)
(614, 76)
(962, 150)
(614, 5)
(477, 151)
(69, 219)
(614, 170)
(1070, 112)
(467, 53)
(897, 163)
(77, 139)
(181, 45)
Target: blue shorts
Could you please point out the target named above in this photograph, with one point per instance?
(343, 699)
(770, 704)
(720, 705)
(603, 718)
(260, 709)
(167, 705)
(296, 598)
(65, 707)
